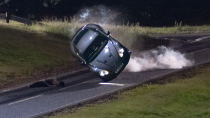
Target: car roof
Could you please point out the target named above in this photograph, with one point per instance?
(86, 40)
(85, 35)
(88, 26)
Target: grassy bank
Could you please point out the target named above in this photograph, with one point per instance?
(43, 49)
(26, 53)
(187, 96)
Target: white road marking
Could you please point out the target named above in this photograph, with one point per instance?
(6, 90)
(199, 50)
(199, 39)
(25, 99)
(76, 84)
(115, 84)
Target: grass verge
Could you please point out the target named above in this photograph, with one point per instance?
(182, 95)
(26, 54)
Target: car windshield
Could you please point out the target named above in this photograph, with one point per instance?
(80, 35)
(95, 48)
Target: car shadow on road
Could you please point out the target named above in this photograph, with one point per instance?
(76, 88)
(26, 92)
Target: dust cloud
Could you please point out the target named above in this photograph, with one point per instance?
(160, 58)
(99, 14)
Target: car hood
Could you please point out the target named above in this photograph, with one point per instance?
(108, 59)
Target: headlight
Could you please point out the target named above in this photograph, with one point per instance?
(121, 51)
(104, 72)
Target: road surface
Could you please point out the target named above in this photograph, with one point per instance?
(83, 86)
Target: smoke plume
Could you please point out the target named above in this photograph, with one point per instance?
(161, 58)
(98, 14)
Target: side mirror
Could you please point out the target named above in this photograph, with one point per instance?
(108, 33)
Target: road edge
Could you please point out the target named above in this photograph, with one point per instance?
(104, 95)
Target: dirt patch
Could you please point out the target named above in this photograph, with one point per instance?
(143, 43)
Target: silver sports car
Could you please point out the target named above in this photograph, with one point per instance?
(95, 48)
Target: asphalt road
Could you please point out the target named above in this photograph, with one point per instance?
(84, 86)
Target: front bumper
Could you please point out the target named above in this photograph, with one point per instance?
(118, 67)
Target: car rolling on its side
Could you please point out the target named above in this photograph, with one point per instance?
(95, 48)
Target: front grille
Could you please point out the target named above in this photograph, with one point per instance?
(117, 66)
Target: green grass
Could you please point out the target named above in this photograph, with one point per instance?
(27, 53)
(184, 98)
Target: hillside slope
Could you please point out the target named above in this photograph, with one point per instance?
(26, 54)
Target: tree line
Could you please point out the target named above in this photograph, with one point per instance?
(146, 12)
